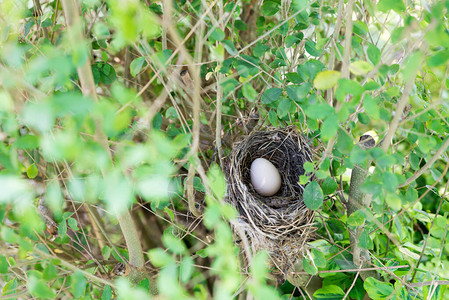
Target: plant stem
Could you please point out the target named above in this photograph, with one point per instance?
(136, 259)
(357, 200)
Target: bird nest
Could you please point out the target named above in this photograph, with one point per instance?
(280, 224)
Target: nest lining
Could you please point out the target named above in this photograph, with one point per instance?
(281, 223)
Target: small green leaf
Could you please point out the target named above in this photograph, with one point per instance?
(186, 269)
(386, 5)
(107, 293)
(273, 118)
(217, 181)
(360, 67)
(329, 127)
(260, 49)
(62, 229)
(313, 196)
(39, 289)
(283, 107)
(329, 292)
(438, 59)
(160, 258)
(136, 65)
(318, 258)
(310, 47)
(373, 54)
(329, 186)
(365, 241)
(298, 93)
(271, 95)
(173, 243)
(326, 79)
(27, 142)
(344, 142)
(319, 111)
(217, 35)
(229, 47)
(378, 289)
(356, 218)
(32, 171)
(269, 8)
(78, 284)
(72, 223)
(249, 92)
(3, 264)
(308, 267)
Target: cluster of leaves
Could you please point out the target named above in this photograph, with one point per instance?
(289, 62)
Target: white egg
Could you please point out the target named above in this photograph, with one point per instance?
(265, 177)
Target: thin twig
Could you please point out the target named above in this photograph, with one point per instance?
(427, 165)
(356, 270)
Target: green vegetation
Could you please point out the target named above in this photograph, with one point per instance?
(116, 118)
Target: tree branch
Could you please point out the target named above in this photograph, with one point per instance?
(136, 259)
(427, 165)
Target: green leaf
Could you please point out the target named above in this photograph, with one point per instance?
(308, 267)
(269, 8)
(72, 223)
(260, 49)
(160, 258)
(393, 201)
(318, 258)
(298, 93)
(329, 186)
(438, 59)
(329, 127)
(27, 142)
(378, 289)
(107, 293)
(273, 118)
(373, 54)
(136, 65)
(313, 196)
(319, 111)
(217, 35)
(39, 289)
(412, 65)
(228, 84)
(293, 77)
(329, 292)
(106, 73)
(3, 264)
(348, 87)
(230, 48)
(186, 269)
(310, 47)
(271, 95)
(360, 67)
(62, 229)
(283, 107)
(371, 107)
(50, 272)
(78, 284)
(32, 171)
(326, 79)
(173, 243)
(344, 142)
(217, 181)
(386, 5)
(249, 92)
(259, 266)
(365, 241)
(356, 218)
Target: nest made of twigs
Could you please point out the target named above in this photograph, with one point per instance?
(280, 224)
